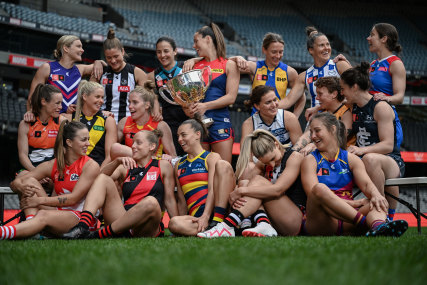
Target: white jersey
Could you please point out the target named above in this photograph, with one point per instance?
(314, 73)
(277, 128)
(117, 88)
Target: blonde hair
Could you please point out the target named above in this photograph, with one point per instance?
(153, 137)
(258, 144)
(85, 87)
(146, 93)
(66, 40)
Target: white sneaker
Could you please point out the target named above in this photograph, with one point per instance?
(261, 230)
(220, 230)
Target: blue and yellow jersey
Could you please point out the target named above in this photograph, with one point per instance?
(193, 178)
(276, 77)
(335, 174)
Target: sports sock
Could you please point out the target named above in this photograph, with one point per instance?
(86, 219)
(359, 220)
(106, 232)
(219, 214)
(29, 217)
(7, 232)
(260, 216)
(391, 213)
(234, 219)
(375, 224)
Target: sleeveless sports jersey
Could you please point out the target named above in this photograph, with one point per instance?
(276, 77)
(193, 178)
(141, 182)
(117, 88)
(96, 127)
(41, 140)
(295, 192)
(216, 90)
(131, 128)
(335, 174)
(338, 113)
(277, 128)
(314, 73)
(382, 81)
(366, 128)
(66, 185)
(67, 80)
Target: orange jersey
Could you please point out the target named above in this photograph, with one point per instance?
(131, 128)
(41, 140)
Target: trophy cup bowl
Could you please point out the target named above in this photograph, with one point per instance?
(187, 88)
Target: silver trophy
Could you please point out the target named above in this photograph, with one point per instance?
(187, 88)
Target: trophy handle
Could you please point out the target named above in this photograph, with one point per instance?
(208, 68)
(166, 97)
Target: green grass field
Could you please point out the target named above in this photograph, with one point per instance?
(298, 260)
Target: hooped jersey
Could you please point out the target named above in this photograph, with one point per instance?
(276, 77)
(193, 177)
(67, 80)
(217, 89)
(66, 185)
(314, 73)
(41, 140)
(96, 127)
(380, 76)
(117, 87)
(141, 182)
(335, 174)
(131, 128)
(277, 128)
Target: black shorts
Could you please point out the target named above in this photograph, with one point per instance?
(399, 161)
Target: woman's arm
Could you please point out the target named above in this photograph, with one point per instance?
(247, 128)
(244, 66)
(300, 103)
(169, 186)
(283, 183)
(308, 173)
(293, 126)
(140, 76)
(347, 119)
(28, 184)
(110, 138)
(23, 147)
(294, 95)
(167, 139)
(398, 75)
(182, 203)
(120, 127)
(342, 66)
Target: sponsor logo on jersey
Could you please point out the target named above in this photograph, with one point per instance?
(123, 88)
(151, 176)
(98, 128)
(74, 177)
(383, 68)
(281, 79)
(217, 70)
(57, 77)
(52, 133)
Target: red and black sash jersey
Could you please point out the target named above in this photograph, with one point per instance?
(141, 182)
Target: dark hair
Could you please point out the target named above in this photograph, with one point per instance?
(197, 125)
(312, 35)
(329, 121)
(217, 37)
(259, 92)
(167, 39)
(153, 136)
(331, 83)
(271, 38)
(358, 75)
(42, 91)
(112, 42)
(67, 130)
(389, 31)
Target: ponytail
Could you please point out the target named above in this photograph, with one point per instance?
(217, 37)
(197, 125)
(42, 92)
(153, 136)
(358, 75)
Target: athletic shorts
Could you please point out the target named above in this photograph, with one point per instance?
(93, 226)
(399, 161)
(219, 133)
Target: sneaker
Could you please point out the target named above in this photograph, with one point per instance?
(220, 230)
(261, 230)
(389, 229)
(211, 225)
(77, 232)
(245, 224)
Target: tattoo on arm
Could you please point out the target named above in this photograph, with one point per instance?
(62, 200)
(300, 145)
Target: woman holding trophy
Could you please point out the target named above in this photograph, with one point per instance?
(209, 44)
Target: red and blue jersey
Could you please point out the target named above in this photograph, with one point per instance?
(216, 90)
(67, 80)
(335, 174)
(193, 177)
(381, 77)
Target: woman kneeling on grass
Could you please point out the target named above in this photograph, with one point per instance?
(72, 173)
(274, 183)
(328, 175)
(148, 185)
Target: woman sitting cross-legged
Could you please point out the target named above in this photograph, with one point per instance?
(148, 185)
(328, 175)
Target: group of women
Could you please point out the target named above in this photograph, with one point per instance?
(286, 182)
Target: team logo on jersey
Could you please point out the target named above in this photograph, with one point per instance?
(52, 133)
(74, 177)
(37, 134)
(151, 176)
(281, 79)
(123, 88)
(57, 77)
(124, 81)
(323, 172)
